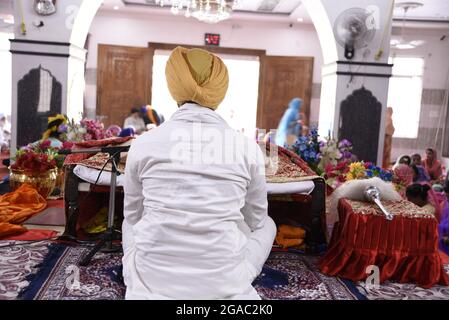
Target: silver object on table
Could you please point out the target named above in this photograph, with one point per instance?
(372, 194)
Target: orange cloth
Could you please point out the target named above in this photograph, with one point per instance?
(17, 207)
(290, 236)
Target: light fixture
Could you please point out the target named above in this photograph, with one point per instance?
(300, 19)
(400, 43)
(116, 7)
(9, 19)
(45, 7)
(6, 21)
(209, 11)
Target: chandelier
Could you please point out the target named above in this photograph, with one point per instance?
(209, 11)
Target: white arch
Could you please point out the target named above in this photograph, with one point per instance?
(324, 29)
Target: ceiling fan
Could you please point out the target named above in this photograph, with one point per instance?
(352, 31)
(400, 43)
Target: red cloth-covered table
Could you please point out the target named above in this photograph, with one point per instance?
(404, 249)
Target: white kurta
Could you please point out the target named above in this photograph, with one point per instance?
(194, 230)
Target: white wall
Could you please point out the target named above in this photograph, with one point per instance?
(5, 74)
(435, 53)
(274, 37)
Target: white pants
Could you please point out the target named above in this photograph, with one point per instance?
(256, 253)
(259, 245)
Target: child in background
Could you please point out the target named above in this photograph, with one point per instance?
(420, 173)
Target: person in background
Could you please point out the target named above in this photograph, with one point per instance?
(403, 177)
(446, 181)
(433, 166)
(4, 141)
(443, 227)
(420, 173)
(419, 195)
(389, 131)
(404, 159)
(56, 130)
(150, 116)
(290, 126)
(115, 130)
(127, 132)
(135, 121)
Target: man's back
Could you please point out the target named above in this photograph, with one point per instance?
(192, 175)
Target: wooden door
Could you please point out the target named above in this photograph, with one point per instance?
(282, 79)
(123, 82)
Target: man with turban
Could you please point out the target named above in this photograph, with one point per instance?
(196, 223)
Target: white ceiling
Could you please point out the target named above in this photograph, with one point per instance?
(262, 6)
(431, 10)
(434, 10)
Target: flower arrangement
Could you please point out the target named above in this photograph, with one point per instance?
(319, 155)
(87, 129)
(39, 157)
(346, 170)
(357, 170)
(332, 152)
(335, 175)
(375, 171)
(308, 148)
(334, 160)
(366, 170)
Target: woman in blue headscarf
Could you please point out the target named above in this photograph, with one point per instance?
(289, 124)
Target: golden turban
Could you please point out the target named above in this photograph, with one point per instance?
(198, 76)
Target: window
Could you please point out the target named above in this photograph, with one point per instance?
(404, 95)
(239, 107)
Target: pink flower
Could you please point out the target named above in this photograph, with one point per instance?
(45, 144)
(67, 145)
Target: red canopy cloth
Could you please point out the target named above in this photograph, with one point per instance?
(404, 249)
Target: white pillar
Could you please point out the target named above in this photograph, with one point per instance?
(368, 68)
(57, 47)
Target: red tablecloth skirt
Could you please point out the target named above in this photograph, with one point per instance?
(404, 249)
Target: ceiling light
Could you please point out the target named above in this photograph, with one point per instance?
(408, 5)
(400, 43)
(210, 11)
(404, 46)
(116, 7)
(300, 19)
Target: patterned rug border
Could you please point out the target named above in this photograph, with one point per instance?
(43, 270)
(353, 288)
(349, 284)
(57, 252)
